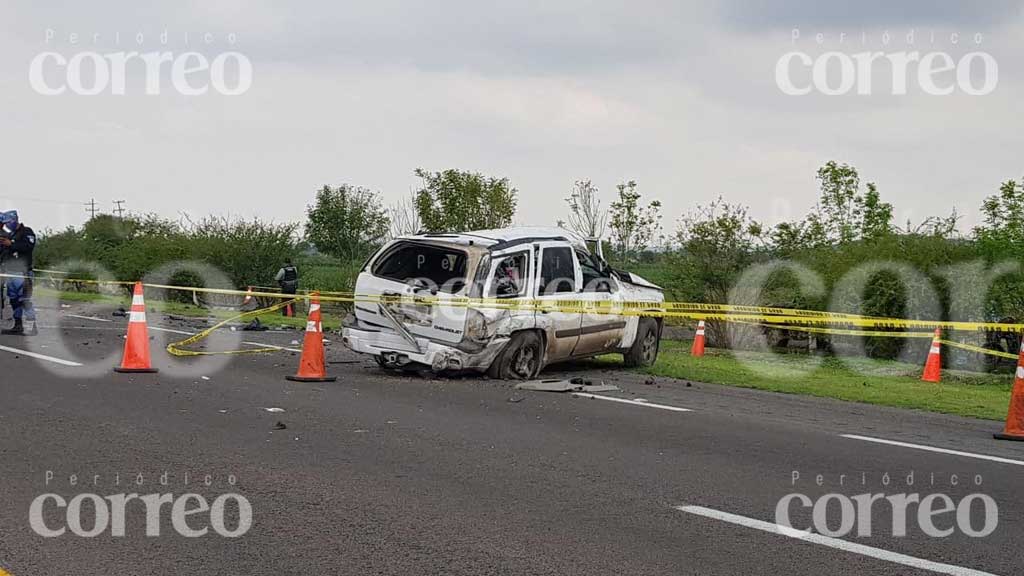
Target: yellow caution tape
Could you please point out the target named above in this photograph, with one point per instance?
(841, 332)
(176, 348)
(879, 334)
(811, 321)
(805, 320)
(862, 322)
(979, 349)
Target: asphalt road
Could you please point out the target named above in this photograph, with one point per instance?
(380, 473)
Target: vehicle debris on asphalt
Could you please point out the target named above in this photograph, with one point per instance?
(573, 385)
(255, 326)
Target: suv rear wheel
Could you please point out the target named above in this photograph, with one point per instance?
(644, 351)
(521, 359)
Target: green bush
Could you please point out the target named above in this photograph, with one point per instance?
(340, 277)
(247, 252)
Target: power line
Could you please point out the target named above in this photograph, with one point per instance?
(26, 199)
(118, 209)
(90, 207)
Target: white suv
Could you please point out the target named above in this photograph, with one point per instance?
(526, 273)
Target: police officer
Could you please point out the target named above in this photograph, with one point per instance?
(17, 242)
(288, 279)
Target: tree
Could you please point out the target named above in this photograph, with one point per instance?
(717, 242)
(845, 214)
(941, 227)
(633, 226)
(789, 237)
(586, 217)
(108, 230)
(405, 219)
(457, 201)
(247, 251)
(347, 222)
(1003, 215)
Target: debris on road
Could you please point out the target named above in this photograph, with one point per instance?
(280, 425)
(573, 385)
(255, 326)
(274, 410)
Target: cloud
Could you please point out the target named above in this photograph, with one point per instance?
(680, 97)
(759, 15)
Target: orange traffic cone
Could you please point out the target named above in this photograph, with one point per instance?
(136, 346)
(933, 367)
(698, 342)
(312, 366)
(1015, 419)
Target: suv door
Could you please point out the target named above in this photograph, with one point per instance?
(600, 332)
(509, 281)
(558, 278)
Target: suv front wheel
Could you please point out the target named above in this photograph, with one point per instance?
(521, 359)
(644, 351)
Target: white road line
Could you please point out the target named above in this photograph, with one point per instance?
(633, 402)
(78, 328)
(933, 449)
(183, 333)
(171, 330)
(272, 346)
(836, 543)
(93, 318)
(39, 356)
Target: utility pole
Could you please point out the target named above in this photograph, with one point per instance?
(118, 209)
(90, 207)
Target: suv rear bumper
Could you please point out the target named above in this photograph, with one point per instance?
(392, 350)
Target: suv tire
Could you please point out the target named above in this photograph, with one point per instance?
(644, 351)
(521, 359)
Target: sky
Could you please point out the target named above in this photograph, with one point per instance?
(681, 97)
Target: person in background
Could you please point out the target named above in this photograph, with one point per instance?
(17, 242)
(288, 279)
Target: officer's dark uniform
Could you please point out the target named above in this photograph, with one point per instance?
(17, 261)
(288, 279)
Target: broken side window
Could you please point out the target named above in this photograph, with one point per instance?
(557, 271)
(509, 277)
(595, 277)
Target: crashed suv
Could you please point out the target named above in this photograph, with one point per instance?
(537, 296)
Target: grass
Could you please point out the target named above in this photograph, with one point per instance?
(855, 379)
(330, 321)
